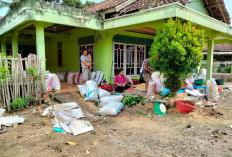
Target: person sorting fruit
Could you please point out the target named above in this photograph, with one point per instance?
(120, 82)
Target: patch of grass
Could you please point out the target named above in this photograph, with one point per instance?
(140, 112)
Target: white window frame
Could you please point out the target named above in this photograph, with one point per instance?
(125, 57)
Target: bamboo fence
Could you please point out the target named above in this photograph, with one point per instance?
(19, 83)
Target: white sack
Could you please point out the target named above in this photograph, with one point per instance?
(9, 121)
(77, 77)
(151, 90)
(82, 90)
(71, 77)
(189, 82)
(212, 90)
(61, 76)
(111, 109)
(80, 126)
(92, 92)
(53, 82)
(157, 78)
(103, 93)
(98, 77)
(107, 99)
(93, 74)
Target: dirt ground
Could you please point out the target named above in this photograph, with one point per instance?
(204, 132)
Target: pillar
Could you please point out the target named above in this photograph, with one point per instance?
(103, 55)
(15, 44)
(3, 45)
(210, 59)
(40, 49)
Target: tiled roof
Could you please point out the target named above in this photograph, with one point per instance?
(140, 4)
(216, 8)
(105, 5)
(221, 48)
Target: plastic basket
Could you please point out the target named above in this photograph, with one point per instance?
(106, 87)
(184, 106)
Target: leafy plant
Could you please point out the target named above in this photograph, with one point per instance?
(176, 51)
(140, 112)
(219, 69)
(93, 132)
(3, 76)
(53, 97)
(133, 100)
(96, 103)
(19, 103)
(167, 96)
(228, 69)
(33, 71)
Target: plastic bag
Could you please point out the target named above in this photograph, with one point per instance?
(212, 90)
(189, 82)
(111, 109)
(202, 74)
(151, 90)
(92, 92)
(82, 90)
(52, 83)
(107, 99)
(98, 77)
(128, 78)
(61, 75)
(71, 77)
(103, 93)
(157, 78)
(93, 74)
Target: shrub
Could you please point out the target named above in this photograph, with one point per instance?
(228, 69)
(19, 103)
(176, 51)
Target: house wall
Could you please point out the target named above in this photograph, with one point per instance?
(103, 50)
(198, 5)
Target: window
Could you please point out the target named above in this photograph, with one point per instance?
(59, 54)
(130, 54)
(90, 49)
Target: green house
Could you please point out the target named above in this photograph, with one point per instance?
(118, 33)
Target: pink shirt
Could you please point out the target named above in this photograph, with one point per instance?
(119, 79)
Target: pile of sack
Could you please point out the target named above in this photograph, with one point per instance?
(77, 77)
(109, 104)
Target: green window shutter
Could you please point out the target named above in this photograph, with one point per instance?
(132, 40)
(86, 40)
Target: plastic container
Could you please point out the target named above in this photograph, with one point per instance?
(165, 91)
(106, 87)
(199, 82)
(185, 106)
(135, 81)
(220, 81)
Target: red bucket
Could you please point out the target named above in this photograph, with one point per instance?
(106, 87)
(185, 106)
(135, 81)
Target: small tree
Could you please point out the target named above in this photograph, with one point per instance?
(176, 51)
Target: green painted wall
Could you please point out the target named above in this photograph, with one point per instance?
(70, 52)
(198, 5)
(103, 47)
